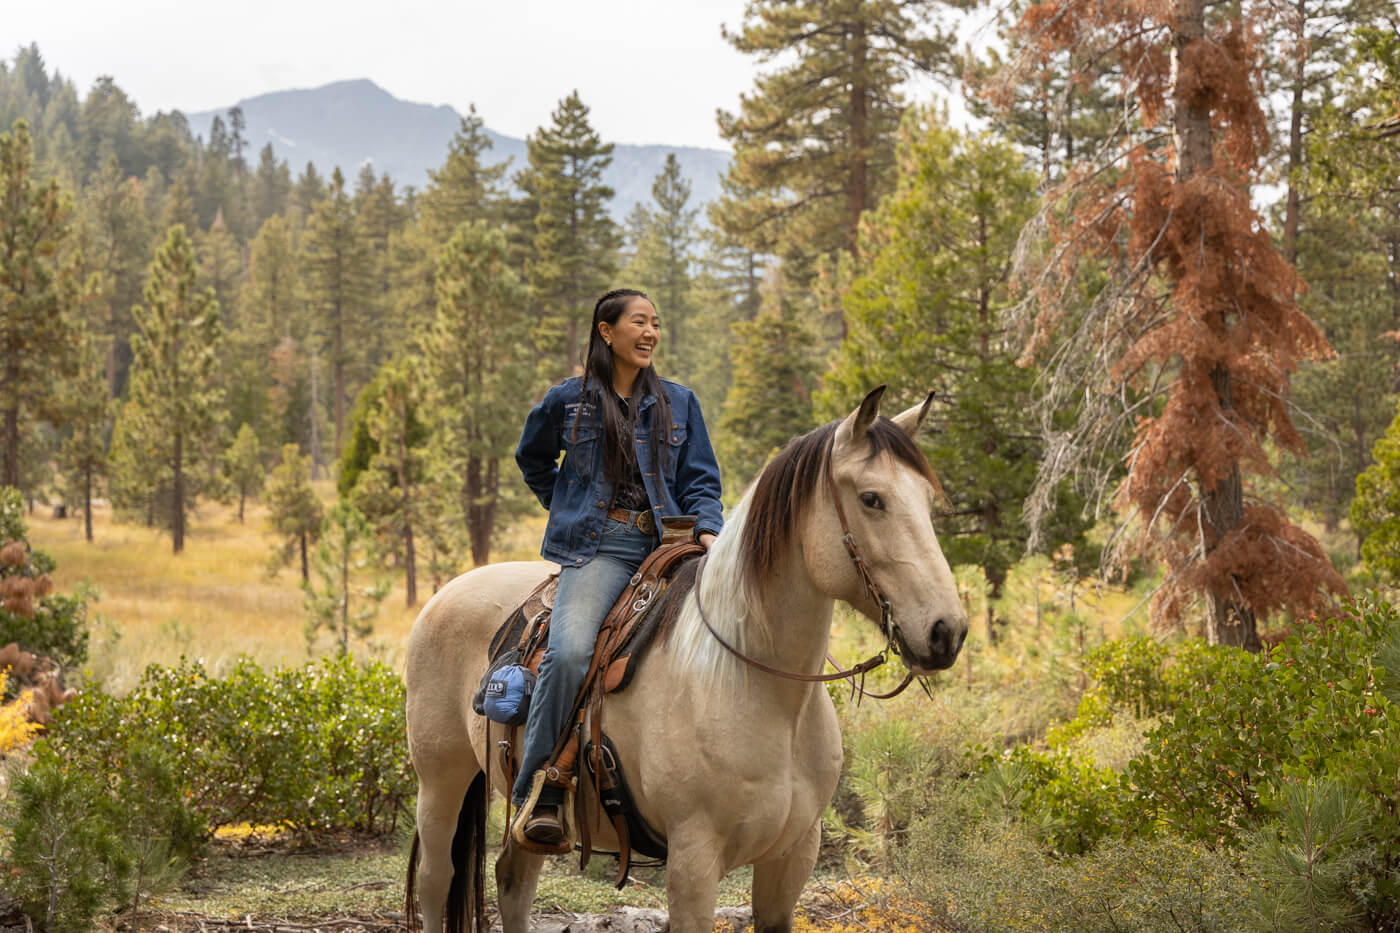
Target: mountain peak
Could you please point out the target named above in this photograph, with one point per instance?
(351, 122)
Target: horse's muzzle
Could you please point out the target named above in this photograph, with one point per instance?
(945, 640)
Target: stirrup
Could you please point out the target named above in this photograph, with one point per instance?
(527, 813)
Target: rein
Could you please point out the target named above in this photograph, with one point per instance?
(887, 624)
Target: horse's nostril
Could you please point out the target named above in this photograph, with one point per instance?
(962, 636)
(940, 639)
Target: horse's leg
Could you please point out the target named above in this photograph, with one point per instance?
(778, 883)
(517, 874)
(693, 871)
(441, 791)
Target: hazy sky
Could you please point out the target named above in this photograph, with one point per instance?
(651, 70)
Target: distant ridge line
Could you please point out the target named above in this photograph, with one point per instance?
(354, 121)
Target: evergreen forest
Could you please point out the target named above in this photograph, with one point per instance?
(1152, 281)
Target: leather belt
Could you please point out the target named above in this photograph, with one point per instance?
(644, 521)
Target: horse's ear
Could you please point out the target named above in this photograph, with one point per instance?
(911, 419)
(853, 429)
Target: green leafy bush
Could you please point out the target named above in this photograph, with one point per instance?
(315, 748)
(51, 623)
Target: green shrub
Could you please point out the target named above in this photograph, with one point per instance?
(1070, 801)
(53, 624)
(65, 855)
(1312, 863)
(318, 747)
(990, 874)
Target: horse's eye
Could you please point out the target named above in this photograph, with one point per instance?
(872, 501)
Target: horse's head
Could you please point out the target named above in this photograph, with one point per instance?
(886, 489)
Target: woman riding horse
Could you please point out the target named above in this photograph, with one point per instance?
(635, 451)
(730, 763)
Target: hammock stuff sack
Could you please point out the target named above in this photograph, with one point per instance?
(505, 691)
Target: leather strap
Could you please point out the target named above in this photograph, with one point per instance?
(644, 521)
(887, 625)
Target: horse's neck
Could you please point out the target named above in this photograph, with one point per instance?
(783, 621)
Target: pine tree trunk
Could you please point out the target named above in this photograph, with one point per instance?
(317, 455)
(339, 364)
(177, 519)
(857, 183)
(472, 494)
(9, 470)
(305, 567)
(242, 497)
(87, 502)
(409, 564)
(345, 596)
(1231, 621)
(1295, 148)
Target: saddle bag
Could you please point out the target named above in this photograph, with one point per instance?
(505, 691)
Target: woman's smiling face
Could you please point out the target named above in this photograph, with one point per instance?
(634, 336)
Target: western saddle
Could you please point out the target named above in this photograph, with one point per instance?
(650, 598)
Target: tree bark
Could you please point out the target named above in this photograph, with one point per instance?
(305, 567)
(345, 596)
(857, 183)
(87, 502)
(1295, 144)
(177, 519)
(338, 339)
(9, 470)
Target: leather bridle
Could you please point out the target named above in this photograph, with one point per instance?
(887, 624)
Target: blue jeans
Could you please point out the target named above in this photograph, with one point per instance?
(585, 595)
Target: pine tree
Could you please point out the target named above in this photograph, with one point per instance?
(174, 377)
(927, 312)
(1200, 302)
(220, 267)
(390, 492)
(35, 337)
(87, 410)
(478, 362)
(293, 509)
(461, 190)
(1056, 105)
(333, 601)
(138, 471)
(575, 240)
(380, 216)
(244, 464)
(662, 261)
(814, 142)
(1348, 253)
(113, 206)
(1375, 512)
(338, 285)
(775, 372)
(309, 191)
(272, 187)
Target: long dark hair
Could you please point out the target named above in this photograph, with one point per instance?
(618, 430)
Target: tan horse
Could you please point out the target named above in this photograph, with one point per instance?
(733, 766)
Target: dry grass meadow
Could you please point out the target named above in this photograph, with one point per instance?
(216, 600)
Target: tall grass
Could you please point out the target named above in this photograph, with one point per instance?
(216, 601)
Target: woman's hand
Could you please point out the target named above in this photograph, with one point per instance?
(706, 539)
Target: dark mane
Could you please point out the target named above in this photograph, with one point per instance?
(787, 484)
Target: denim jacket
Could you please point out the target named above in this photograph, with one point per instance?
(577, 493)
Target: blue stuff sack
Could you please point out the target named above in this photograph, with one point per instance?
(505, 694)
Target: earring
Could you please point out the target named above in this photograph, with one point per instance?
(609, 343)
